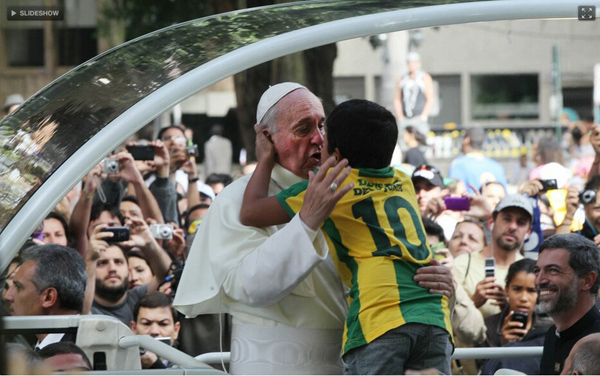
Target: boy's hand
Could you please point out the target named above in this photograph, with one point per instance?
(265, 151)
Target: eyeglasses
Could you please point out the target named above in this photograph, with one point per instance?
(176, 139)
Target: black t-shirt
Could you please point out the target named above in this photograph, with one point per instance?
(557, 346)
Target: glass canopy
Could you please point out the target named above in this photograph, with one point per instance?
(58, 134)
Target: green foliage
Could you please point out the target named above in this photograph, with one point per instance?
(143, 17)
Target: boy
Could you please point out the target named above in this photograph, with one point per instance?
(378, 238)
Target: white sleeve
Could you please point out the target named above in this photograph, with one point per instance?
(279, 265)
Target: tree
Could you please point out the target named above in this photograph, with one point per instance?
(312, 68)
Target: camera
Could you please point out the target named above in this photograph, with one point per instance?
(587, 197)
(489, 267)
(110, 166)
(162, 231)
(192, 150)
(141, 152)
(549, 184)
(120, 234)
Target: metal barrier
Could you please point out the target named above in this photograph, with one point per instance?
(497, 352)
(459, 353)
(61, 324)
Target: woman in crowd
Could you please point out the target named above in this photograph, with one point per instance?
(140, 272)
(517, 324)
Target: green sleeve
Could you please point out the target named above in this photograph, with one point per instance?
(291, 199)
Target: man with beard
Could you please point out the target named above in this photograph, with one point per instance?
(108, 273)
(567, 272)
(510, 225)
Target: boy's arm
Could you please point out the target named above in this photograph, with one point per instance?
(258, 209)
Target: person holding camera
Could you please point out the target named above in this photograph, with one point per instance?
(108, 290)
(517, 324)
(118, 170)
(589, 199)
(482, 273)
(155, 316)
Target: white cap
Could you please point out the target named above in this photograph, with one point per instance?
(13, 99)
(413, 56)
(272, 96)
(206, 189)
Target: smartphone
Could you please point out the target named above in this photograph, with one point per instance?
(120, 234)
(549, 184)
(192, 150)
(489, 267)
(435, 247)
(520, 317)
(457, 203)
(165, 340)
(141, 152)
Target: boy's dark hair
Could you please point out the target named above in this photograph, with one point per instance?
(432, 228)
(364, 132)
(99, 208)
(155, 299)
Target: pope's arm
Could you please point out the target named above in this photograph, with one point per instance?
(272, 269)
(261, 266)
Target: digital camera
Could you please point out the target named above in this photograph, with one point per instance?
(110, 166)
(162, 231)
(549, 184)
(192, 150)
(587, 197)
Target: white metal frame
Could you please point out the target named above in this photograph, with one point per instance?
(73, 170)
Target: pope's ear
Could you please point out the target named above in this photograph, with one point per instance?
(267, 133)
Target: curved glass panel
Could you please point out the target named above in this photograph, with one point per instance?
(37, 138)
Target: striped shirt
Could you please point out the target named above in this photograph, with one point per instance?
(379, 241)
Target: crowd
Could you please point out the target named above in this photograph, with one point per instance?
(325, 259)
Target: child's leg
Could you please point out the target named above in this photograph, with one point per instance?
(385, 355)
(433, 350)
(411, 346)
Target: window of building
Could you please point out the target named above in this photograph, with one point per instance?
(25, 47)
(505, 96)
(76, 45)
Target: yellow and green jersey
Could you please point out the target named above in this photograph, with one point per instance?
(379, 241)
